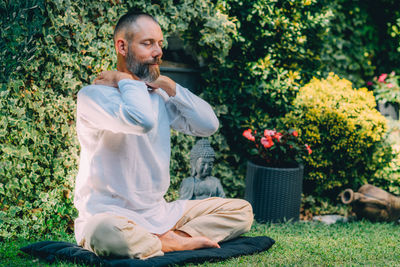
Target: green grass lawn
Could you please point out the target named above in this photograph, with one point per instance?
(354, 243)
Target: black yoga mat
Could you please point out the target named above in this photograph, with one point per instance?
(64, 251)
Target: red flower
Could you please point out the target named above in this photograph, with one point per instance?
(382, 78)
(370, 83)
(269, 132)
(390, 85)
(295, 133)
(308, 149)
(278, 136)
(248, 135)
(267, 142)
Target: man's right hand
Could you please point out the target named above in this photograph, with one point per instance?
(111, 78)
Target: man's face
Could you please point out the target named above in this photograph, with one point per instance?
(145, 50)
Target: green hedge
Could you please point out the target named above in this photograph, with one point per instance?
(362, 40)
(278, 49)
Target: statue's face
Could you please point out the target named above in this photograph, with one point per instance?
(204, 167)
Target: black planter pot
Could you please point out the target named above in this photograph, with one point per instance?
(274, 193)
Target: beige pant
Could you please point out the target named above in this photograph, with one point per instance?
(219, 219)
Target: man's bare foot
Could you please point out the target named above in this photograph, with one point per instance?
(175, 241)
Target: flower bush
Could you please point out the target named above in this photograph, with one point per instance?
(277, 148)
(346, 133)
(387, 87)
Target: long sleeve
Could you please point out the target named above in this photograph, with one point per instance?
(190, 114)
(124, 110)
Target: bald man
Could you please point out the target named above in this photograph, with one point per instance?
(123, 125)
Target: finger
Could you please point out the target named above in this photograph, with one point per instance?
(100, 82)
(151, 86)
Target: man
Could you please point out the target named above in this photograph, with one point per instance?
(123, 125)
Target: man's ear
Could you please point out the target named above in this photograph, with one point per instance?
(121, 46)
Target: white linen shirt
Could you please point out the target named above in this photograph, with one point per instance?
(124, 135)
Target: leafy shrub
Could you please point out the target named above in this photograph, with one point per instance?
(316, 206)
(37, 154)
(351, 45)
(361, 40)
(20, 27)
(277, 48)
(395, 31)
(345, 131)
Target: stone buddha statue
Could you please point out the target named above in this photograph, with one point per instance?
(201, 184)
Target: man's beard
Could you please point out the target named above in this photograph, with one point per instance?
(142, 69)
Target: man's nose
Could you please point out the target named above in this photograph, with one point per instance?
(157, 51)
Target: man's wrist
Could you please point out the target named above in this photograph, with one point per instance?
(169, 87)
(165, 83)
(171, 91)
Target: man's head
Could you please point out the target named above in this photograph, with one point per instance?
(138, 42)
(202, 159)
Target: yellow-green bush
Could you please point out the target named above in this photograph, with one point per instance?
(344, 130)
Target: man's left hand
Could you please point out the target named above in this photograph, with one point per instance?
(164, 82)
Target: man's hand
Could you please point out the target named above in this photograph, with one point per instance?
(111, 78)
(164, 82)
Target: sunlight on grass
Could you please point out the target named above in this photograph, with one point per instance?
(354, 243)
